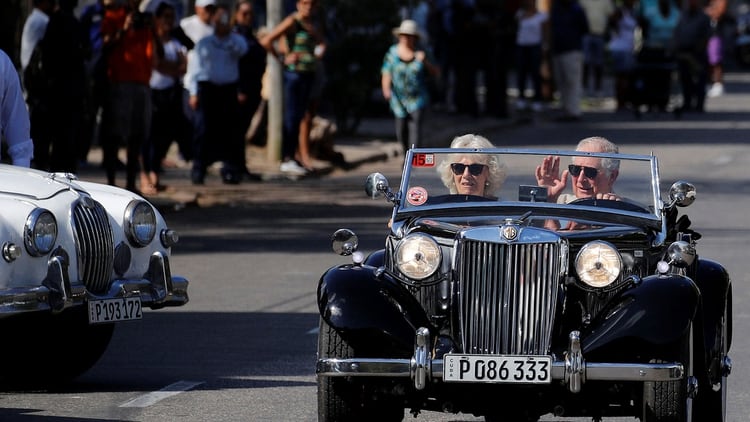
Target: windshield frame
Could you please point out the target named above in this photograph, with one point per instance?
(616, 216)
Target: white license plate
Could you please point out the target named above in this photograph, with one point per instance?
(113, 310)
(497, 369)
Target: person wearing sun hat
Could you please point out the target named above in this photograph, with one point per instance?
(404, 77)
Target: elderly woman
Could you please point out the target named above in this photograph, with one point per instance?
(472, 174)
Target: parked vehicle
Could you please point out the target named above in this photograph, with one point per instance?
(512, 307)
(77, 258)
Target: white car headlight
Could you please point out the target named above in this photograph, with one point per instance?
(40, 232)
(418, 256)
(598, 264)
(140, 223)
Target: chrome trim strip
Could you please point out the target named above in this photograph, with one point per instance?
(57, 293)
(594, 371)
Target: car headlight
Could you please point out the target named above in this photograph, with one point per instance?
(140, 223)
(40, 232)
(598, 264)
(418, 256)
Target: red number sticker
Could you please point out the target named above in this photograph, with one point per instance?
(423, 160)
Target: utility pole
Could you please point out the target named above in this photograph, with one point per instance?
(276, 98)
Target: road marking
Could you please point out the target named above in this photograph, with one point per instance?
(157, 396)
(313, 331)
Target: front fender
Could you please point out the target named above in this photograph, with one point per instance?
(649, 318)
(371, 310)
(713, 282)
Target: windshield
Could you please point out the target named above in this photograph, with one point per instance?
(440, 178)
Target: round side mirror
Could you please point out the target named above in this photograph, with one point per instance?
(376, 185)
(344, 242)
(682, 193)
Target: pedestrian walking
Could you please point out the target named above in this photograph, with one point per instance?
(404, 74)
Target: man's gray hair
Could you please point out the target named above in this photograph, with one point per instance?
(602, 144)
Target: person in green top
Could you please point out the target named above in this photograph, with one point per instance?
(404, 77)
(298, 44)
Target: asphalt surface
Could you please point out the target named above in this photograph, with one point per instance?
(375, 141)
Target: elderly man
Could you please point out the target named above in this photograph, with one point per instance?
(591, 177)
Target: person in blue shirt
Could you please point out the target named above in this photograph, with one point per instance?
(213, 85)
(14, 117)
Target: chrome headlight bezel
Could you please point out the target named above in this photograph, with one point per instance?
(40, 232)
(598, 264)
(139, 223)
(417, 256)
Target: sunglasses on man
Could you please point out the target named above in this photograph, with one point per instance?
(474, 169)
(588, 172)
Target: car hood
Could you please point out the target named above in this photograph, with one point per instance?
(33, 184)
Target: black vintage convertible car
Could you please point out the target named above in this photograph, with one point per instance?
(507, 304)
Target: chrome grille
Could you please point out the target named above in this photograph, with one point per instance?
(507, 291)
(94, 242)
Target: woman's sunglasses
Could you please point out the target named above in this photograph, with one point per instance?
(474, 169)
(589, 172)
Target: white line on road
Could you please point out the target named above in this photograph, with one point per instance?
(313, 331)
(157, 396)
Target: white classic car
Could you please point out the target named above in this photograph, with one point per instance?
(77, 257)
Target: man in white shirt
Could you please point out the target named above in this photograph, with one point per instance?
(34, 28)
(14, 118)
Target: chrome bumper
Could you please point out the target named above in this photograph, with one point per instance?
(157, 289)
(573, 371)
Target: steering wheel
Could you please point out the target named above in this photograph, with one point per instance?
(610, 203)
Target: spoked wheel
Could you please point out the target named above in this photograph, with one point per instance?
(341, 399)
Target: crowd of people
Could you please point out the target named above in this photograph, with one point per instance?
(136, 74)
(143, 75)
(568, 46)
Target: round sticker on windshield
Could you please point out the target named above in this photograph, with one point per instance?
(416, 195)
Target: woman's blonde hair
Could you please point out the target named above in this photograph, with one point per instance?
(496, 168)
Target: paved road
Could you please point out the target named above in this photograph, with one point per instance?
(244, 347)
